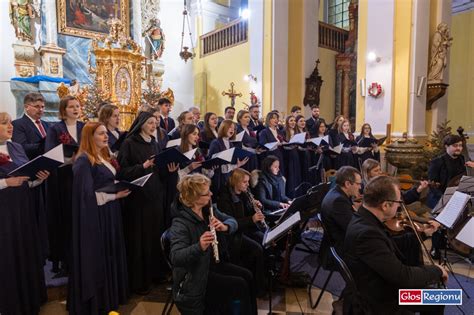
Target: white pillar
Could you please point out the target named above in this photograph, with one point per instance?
(418, 68)
(310, 41)
(280, 56)
(256, 38)
(48, 13)
(380, 33)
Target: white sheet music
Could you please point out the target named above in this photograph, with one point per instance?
(56, 153)
(467, 233)
(453, 209)
(141, 181)
(173, 143)
(443, 201)
(284, 226)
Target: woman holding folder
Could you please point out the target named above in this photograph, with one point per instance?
(367, 143)
(292, 158)
(249, 141)
(271, 134)
(59, 185)
(347, 156)
(223, 142)
(22, 288)
(98, 280)
(144, 220)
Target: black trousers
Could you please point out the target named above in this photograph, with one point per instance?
(252, 258)
(230, 290)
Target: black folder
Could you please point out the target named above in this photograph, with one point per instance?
(123, 185)
(171, 155)
(229, 156)
(46, 162)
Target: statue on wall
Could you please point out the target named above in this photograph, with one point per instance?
(313, 87)
(440, 44)
(156, 39)
(21, 14)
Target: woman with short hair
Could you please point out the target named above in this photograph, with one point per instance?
(200, 285)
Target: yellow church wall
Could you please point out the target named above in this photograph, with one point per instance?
(461, 72)
(295, 53)
(213, 74)
(401, 66)
(327, 70)
(361, 61)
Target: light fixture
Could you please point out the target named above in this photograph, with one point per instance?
(245, 14)
(249, 77)
(184, 53)
(372, 56)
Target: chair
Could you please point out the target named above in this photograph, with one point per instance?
(320, 263)
(166, 248)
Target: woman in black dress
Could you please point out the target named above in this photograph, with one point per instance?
(59, 185)
(22, 288)
(370, 150)
(143, 213)
(249, 141)
(109, 115)
(209, 132)
(98, 280)
(292, 158)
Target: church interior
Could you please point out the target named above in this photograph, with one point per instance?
(405, 67)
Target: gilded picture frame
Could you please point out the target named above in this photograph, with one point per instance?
(88, 18)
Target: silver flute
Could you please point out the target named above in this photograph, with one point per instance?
(215, 243)
(261, 224)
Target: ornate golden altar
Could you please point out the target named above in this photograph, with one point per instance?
(118, 71)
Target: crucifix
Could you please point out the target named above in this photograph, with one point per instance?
(231, 94)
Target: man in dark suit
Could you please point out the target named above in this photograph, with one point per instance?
(166, 122)
(255, 123)
(374, 260)
(337, 208)
(312, 124)
(29, 130)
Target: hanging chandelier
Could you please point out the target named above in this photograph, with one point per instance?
(184, 53)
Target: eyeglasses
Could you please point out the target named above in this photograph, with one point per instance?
(206, 194)
(357, 183)
(397, 201)
(37, 106)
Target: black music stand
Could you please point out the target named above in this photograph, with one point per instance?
(269, 238)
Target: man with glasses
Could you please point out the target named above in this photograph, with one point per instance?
(337, 208)
(29, 130)
(375, 261)
(443, 169)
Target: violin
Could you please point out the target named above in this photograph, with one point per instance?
(401, 224)
(407, 182)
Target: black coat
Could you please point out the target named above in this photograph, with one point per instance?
(312, 126)
(271, 194)
(190, 263)
(441, 170)
(171, 123)
(376, 266)
(26, 134)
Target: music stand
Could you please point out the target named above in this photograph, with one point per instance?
(269, 238)
(450, 216)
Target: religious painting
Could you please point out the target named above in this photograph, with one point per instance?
(88, 18)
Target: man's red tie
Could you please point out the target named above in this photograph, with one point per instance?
(41, 128)
(166, 123)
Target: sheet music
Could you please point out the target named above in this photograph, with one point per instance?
(190, 153)
(466, 184)
(453, 209)
(56, 153)
(279, 211)
(298, 138)
(239, 137)
(141, 181)
(470, 151)
(284, 226)
(337, 149)
(448, 193)
(467, 233)
(173, 143)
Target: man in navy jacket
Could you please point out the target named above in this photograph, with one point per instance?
(29, 130)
